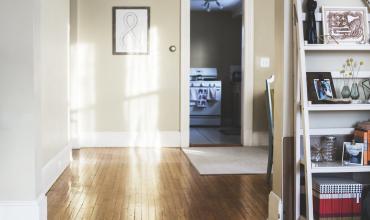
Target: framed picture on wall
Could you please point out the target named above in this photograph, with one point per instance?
(131, 30)
(320, 87)
(345, 25)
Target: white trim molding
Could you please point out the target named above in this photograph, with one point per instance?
(184, 73)
(128, 139)
(260, 138)
(55, 167)
(24, 210)
(248, 72)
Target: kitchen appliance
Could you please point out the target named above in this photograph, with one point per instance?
(205, 97)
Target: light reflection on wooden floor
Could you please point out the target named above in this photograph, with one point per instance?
(140, 184)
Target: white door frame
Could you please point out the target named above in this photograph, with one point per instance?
(247, 69)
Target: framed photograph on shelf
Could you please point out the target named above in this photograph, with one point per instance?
(352, 153)
(320, 87)
(345, 25)
(131, 30)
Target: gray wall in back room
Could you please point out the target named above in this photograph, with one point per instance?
(216, 42)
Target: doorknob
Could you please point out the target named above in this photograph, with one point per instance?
(172, 48)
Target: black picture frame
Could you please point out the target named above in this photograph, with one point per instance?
(311, 91)
(114, 29)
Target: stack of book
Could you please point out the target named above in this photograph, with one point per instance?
(362, 135)
(336, 198)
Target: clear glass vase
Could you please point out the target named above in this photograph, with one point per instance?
(355, 94)
(329, 149)
(346, 92)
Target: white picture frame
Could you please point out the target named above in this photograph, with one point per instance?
(345, 25)
(131, 30)
(352, 153)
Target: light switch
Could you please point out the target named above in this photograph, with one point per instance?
(265, 62)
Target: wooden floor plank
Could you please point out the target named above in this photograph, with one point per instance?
(153, 184)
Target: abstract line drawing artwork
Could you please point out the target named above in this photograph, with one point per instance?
(345, 25)
(131, 30)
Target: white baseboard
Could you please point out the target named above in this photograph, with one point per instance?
(275, 207)
(128, 139)
(55, 167)
(24, 210)
(260, 138)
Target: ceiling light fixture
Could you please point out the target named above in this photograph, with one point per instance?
(207, 5)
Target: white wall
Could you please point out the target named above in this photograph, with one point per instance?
(18, 102)
(33, 93)
(54, 76)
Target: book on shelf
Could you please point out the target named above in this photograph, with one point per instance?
(363, 136)
(335, 198)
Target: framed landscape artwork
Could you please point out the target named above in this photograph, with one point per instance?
(345, 25)
(131, 30)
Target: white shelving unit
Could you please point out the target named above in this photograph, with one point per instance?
(304, 111)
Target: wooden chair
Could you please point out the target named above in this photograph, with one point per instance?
(269, 105)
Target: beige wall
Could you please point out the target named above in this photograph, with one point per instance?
(283, 110)
(216, 42)
(264, 35)
(33, 66)
(124, 93)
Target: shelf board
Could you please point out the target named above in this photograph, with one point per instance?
(360, 75)
(330, 131)
(338, 107)
(337, 47)
(337, 167)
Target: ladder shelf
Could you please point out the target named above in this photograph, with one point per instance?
(305, 111)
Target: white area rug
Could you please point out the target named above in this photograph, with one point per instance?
(228, 160)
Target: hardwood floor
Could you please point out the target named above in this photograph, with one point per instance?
(128, 183)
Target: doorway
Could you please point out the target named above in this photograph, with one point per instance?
(247, 68)
(215, 72)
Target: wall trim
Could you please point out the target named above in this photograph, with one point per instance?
(128, 139)
(24, 210)
(248, 73)
(260, 138)
(55, 167)
(184, 73)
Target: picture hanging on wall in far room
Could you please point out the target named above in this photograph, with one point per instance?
(131, 30)
(345, 25)
(320, 87)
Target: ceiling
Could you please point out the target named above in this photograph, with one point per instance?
(229, 5)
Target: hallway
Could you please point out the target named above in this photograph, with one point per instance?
(144, 183)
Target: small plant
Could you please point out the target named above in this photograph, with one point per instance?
(351, 69)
